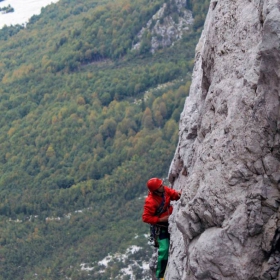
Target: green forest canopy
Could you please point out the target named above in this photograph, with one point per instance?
(83, 125)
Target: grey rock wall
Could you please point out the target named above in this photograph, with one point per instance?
(227, 162)
(164, 31)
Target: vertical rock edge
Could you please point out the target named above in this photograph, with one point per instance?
(227, 161)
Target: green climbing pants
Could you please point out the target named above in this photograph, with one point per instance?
(163, 242)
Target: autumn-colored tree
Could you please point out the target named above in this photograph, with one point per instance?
(147, 119)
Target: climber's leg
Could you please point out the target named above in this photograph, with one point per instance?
(163, 241)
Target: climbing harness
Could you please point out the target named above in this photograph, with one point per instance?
(155, 229)
(154, 232)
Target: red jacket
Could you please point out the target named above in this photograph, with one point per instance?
(153, 202)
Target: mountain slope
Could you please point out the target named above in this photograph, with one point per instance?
(84, 122)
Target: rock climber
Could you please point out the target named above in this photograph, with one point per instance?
(157, 210)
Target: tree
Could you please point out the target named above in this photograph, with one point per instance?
(147, 119)
(108, 128)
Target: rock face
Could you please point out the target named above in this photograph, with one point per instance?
(227, 163)
(163, 29)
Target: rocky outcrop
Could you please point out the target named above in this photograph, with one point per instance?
(165, 28)
(227, 162)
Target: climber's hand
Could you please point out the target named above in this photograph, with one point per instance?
(164, 219)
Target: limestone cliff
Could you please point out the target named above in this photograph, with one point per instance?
(227, 163)
(163, 29)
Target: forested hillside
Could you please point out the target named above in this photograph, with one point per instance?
(84, 122)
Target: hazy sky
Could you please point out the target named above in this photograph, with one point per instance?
(24, 10)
